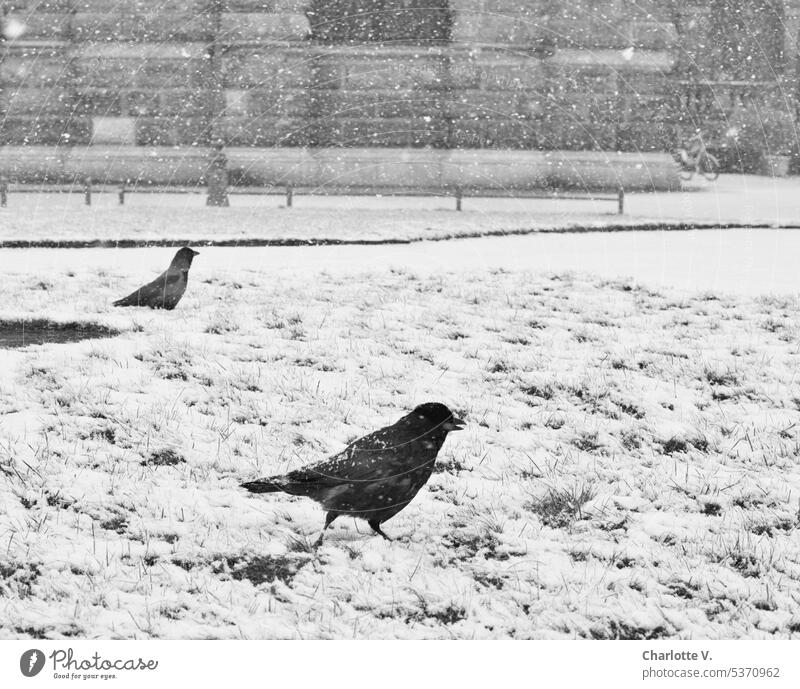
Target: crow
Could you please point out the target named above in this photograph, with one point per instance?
(167, 289)
(376, 476)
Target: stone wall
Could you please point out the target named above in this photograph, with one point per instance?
(543, 74)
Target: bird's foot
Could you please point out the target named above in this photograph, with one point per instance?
(329, 517)
(376, 527)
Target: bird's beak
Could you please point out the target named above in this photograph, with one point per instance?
(454, 424)
(195, 253)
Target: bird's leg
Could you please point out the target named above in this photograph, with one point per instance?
(375, 525)
(329, 517)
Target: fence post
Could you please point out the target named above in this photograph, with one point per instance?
(459, 195)
(3, 192)
(87, 191)
(289, 195)
(621, 201)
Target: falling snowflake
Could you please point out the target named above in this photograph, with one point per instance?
(14, 29)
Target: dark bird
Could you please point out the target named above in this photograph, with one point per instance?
(376, 476)
(167, 289)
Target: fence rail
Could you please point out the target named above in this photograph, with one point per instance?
(88, 190)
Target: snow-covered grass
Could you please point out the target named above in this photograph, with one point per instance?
(629, 470)
(47, 217)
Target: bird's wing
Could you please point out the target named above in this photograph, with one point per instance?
(372, 457)
(150, 292)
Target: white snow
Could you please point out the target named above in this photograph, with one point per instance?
(629, 468)
(737, 261)
(149, 217)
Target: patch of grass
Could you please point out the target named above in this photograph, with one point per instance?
(221, 324)
(448, 464)
(18, 578)
(108, 434)
(163, 458)
(746, 564)
(742, 557)
(747, 502)
(185, 563)
(297, 333)
(772, 325)
(726, 377)
(587, 441)
(116, 523)
(676, 444)
(766, 604)
(468, 539)
(555, 422)
(594, 400)
(630, 439)
(624, 562)
(58, 501)
(261, 569)
(274, 321)
(498, 366)
(171, 363)
(543, 391)
(621, 286)
(301, 544)
(614, 525)
(173, 612)
(446, 613)
(770, 528)
(683, 589)
(489, 580)
(622, 631)
(32, 632)
(561, 508)
(673, 445)
(631, 410)
(582, 336)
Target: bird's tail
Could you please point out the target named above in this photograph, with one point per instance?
(125, 301)
(262, 485)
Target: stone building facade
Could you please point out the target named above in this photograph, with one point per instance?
(541, 74)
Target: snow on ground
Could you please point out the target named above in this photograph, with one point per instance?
(740, 199)
(736, 261)
(52, 217)
(630, 467)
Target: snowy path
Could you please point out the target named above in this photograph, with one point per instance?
(744, 262)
